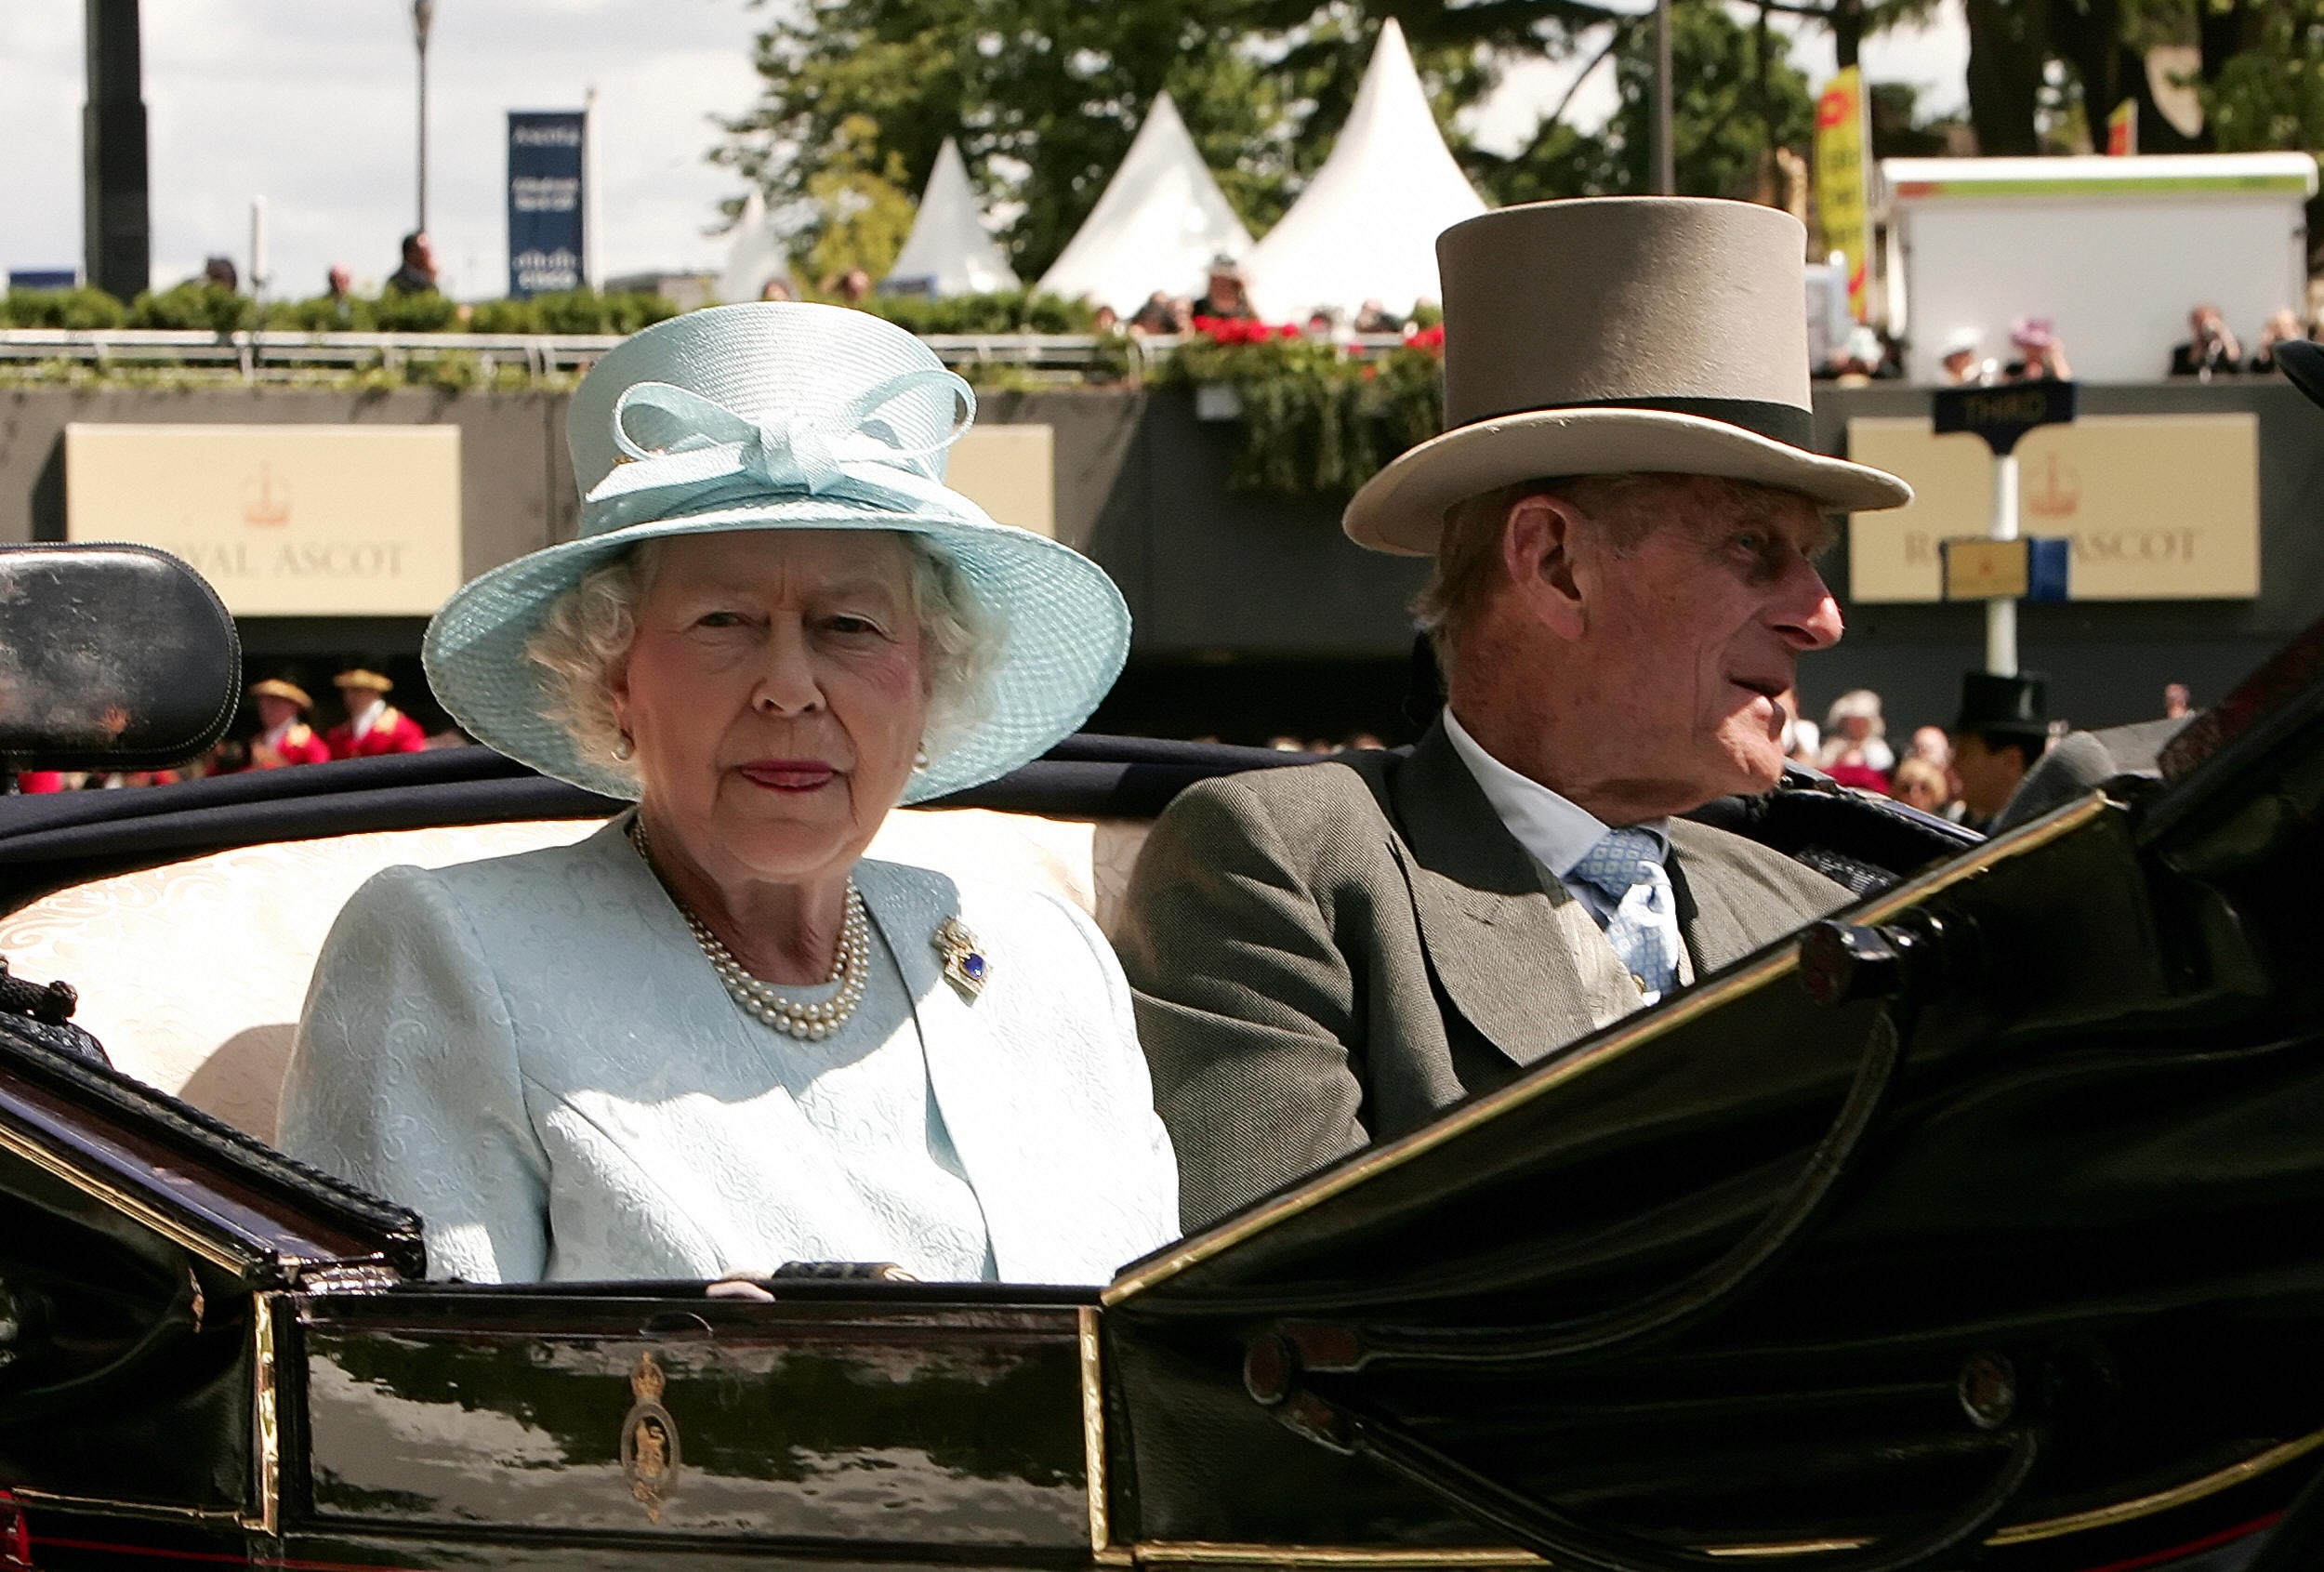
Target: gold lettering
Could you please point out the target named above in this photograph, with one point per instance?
(368, 559)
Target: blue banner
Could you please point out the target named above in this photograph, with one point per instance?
(545, 152)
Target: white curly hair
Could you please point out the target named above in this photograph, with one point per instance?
(588, 628)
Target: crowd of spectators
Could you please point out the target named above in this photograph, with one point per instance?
(369, 727)
(1225, 298)
(2212, 348)
(1965, 773)
(2034, 351)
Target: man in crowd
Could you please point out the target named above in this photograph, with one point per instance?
(2211, 349)
(1623, 516)
(284, 736)
(2002, 730)
(373, 726)
(1225, 295)
(1163, 315)
(340, 285)
(418, 274)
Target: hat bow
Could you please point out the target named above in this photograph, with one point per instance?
(807, 451)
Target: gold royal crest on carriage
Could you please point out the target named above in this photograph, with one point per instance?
(649, 1440)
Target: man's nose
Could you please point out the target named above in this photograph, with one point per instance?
(1804, 610)
(787, 683)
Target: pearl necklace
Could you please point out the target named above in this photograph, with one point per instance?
(795, 1018)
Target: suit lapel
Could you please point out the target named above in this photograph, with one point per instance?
(967, 1074)
(1717, 934)
(1491, 924)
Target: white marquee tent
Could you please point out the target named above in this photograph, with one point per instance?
(754, 257)
(1366, 228)
(949, 252)
(1160, 222)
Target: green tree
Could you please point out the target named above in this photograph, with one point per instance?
(866, 211)
(1737, 98)
(2271, 96)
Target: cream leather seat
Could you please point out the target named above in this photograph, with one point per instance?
(193, 974)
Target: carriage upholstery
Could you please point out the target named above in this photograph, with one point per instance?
(192, 973)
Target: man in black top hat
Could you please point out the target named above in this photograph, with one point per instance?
(2003, 728)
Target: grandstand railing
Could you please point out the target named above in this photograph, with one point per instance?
(254, 353)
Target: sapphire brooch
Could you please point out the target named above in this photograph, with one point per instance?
(965, 966)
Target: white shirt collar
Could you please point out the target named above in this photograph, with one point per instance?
(1557, 831)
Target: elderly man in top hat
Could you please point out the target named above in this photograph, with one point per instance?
(373, 726)
(1624, 512)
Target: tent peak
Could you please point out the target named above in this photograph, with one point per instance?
(1366, 227)
(1156, 226)
(949, 251)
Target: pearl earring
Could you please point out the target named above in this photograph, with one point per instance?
(625, 748)
(919, 761)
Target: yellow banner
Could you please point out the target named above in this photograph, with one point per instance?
(2158, 507)
(283, 520)
(1841, 205)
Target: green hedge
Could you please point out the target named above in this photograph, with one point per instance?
(81, 310)
(206, 308)
(1016, 311)
(1315, 421)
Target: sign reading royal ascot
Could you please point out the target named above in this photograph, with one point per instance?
(283, 520)
(2154, 508)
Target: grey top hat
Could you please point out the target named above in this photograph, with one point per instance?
(1615, 335)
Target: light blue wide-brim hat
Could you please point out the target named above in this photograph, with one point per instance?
(784, 415)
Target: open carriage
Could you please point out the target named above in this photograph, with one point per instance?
(1976, 1226)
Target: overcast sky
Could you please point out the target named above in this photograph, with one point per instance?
(312, 105)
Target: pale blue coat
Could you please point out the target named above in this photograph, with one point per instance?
(531, 1052)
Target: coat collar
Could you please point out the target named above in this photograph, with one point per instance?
(1496, 930)
(970, 1080)
(1484, 903)
(1718, 932)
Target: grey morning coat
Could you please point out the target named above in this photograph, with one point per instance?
(1329, 955)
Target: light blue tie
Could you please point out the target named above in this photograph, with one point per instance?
(1627, 864)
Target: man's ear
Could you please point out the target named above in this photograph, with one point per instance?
(1537, 553)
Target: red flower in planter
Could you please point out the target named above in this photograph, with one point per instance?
(1237, 330)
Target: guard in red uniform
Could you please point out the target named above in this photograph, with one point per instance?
(284, 736)
(373, 726)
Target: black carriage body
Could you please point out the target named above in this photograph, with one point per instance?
(1713, 1278)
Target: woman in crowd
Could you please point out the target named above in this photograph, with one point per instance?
(1921, 784)
(1856, 739)
(713, 1038)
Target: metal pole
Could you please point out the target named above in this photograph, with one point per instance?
(423, 17)
(1666, 179)
(116, 229)
(257, 249)
(588, 190)
(2000, 613)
